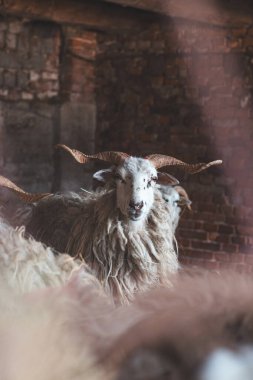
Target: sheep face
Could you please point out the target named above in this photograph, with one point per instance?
(169, 194)
(135, 182)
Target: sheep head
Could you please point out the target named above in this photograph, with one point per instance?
(136, 177)
(175, 196)
(135, 181)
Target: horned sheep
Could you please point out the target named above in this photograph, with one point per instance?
(121, 232)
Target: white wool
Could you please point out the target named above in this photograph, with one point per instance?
(126, 261)
(26, 264)
(176, 199)
(171, 197)
(224, 364)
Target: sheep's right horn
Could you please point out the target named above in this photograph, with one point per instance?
(160, 160)
(27, 197)
(110, 156)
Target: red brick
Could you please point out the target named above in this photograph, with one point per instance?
(248, 259)
(224, 229)
(193, 234)
(183, 243)
(213, 265)
(205, 246)
(237, 258)
(238, 240)
(221, 257)
(210, 227)
(223, 239)
(230, 248)
(205, 255)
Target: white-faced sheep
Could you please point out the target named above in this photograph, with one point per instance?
(177, 200)
(181, 332)
(121, 232)
(175, 196)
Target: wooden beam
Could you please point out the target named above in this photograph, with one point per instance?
(216, 12)
(92, 14)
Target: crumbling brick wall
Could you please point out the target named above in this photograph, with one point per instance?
(185, 89)
(46, 96)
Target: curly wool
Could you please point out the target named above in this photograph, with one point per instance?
(26, 265)
(126, 260)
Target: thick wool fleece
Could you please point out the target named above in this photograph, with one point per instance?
(125, 259)
(26, 265)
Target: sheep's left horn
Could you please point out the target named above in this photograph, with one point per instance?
(184, 199)
(160, 160)
(27, 197)
(110, 156)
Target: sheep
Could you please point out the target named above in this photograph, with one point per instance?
(177, 200)
(119, 232)
(26, 265)
(183, 332)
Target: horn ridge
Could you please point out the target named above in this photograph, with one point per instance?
(23, 195)
(108, 156)
(160, 160)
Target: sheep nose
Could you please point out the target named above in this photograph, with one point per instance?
(136, 206)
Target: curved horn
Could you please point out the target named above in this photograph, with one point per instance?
(184, 199)
(160, 160)
(110, 156)
(27, 197)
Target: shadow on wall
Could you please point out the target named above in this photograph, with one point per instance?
(184, 88)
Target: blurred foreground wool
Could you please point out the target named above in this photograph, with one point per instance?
(38, 340)
(179, 329)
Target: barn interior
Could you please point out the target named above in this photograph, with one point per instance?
(143, 77)
(140, 77)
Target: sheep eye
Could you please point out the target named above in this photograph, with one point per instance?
(149, 183)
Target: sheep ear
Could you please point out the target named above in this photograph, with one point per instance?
(184, 199)
(101, 177)
(166, 179)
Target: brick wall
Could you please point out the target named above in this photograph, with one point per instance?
(46, 96)
(29, 82)
(185, 89)
(168, 86)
